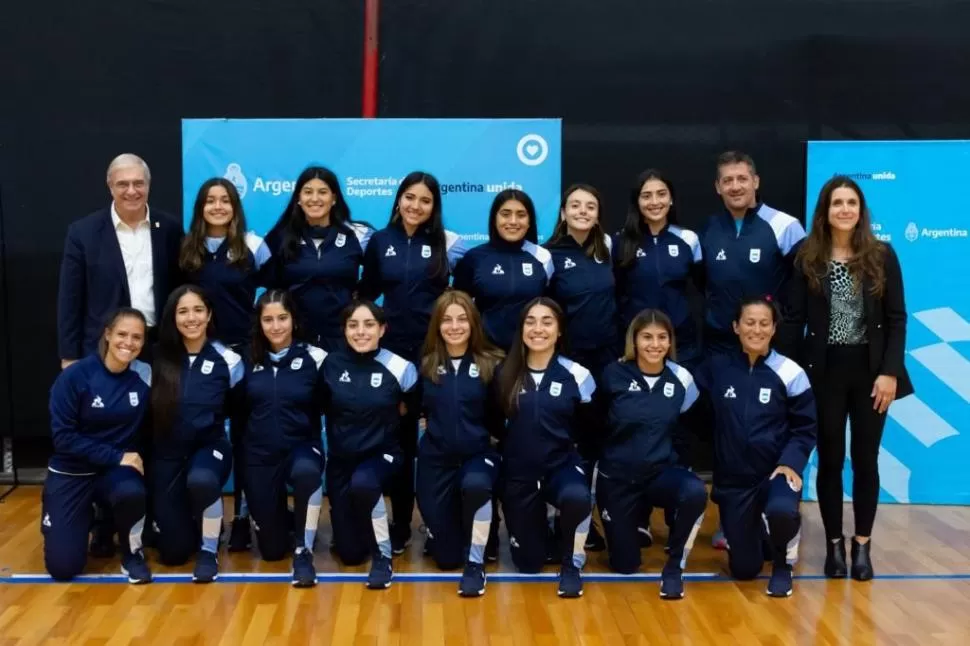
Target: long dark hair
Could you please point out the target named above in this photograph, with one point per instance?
(284, 297)
(109, 325)
(434, 354)
(434, 228)
(170, 356)
(634, 228)
(868, 253)
(516, 365)
(193, 245)
(531, 234)
(291, 225)
(597, 238)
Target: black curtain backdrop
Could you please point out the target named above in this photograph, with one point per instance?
(637, 84)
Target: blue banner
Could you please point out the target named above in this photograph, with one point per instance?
(473, 160)
(917, 195)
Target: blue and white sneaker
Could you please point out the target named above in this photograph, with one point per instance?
(304, 574)
(380, 574)
(206, 567)
(780, 583)
(134, 566)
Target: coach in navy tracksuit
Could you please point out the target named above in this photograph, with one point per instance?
(409, 262)
(654, 261)
(765, 429)
(192, 395)
(541, 394)
(227, 261)
(510, 270)
(749, 248)
(318, 253)
(366, 389)
(125, 255)
(647, 396)
(457, 467)
(97, 407)
(281, 403)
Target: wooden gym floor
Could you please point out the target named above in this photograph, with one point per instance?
(921, 596)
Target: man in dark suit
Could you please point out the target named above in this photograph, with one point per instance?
(122, 255)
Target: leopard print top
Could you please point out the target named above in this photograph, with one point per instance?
(847, 325)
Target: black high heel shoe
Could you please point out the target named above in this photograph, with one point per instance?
(835, 567)
(861, 563)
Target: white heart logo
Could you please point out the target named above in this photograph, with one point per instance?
(532, 149)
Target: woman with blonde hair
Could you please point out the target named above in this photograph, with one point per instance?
(457, 466)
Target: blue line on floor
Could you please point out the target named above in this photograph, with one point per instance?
(431, 577)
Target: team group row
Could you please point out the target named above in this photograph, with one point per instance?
(367, 361)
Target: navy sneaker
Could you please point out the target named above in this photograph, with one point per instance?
(570, 582)
(780, 583)
(472, 581)
(240, 538)
(380, 574)
(134, 566)
(304, 574)
(672, 582)
(206, 567)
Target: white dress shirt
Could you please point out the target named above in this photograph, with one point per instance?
(136, 250)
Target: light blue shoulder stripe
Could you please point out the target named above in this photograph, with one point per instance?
(687, 381)
(690, 239)
(788, 230)
(542, 255)
(402, 369)
(455, 248)
(318, 354)
(257, 246)
(583, 377)
(790, 373)
(143, 369)
(233, 361)
(363, 234)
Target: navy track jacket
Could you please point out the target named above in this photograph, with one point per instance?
(541, 434)
(402, 269)
(207, 398)
(658, 278)
(502, 277)
(460, 413)
(323, 277)
(586, 291)
(362, 396)
(756, 261)
(97, 415)
(764, 416)
(282, 399)
(232, 289)
(643, 422)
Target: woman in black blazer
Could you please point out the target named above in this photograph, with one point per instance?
(846, 298)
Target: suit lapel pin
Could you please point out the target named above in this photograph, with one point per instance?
(157, 224)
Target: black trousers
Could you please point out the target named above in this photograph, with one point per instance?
(844, 394)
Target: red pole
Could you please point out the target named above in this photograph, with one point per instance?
(371, 22)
